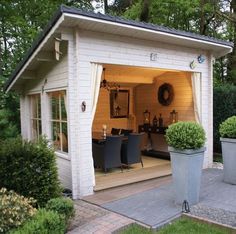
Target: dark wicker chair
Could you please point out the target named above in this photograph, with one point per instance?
(115, 131)
(106, 155)
(131, 149)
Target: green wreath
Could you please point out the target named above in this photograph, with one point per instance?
(164, 99)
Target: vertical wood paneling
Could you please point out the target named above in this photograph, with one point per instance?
(102, 115)
(146, 98)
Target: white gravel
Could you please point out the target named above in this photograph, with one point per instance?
(217, 215)
(217, 165)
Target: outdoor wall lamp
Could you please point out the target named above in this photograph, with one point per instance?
(83, 106)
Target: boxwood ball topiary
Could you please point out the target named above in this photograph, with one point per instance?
(228, 128)
(185, 135)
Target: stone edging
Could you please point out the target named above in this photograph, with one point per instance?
(230, 229)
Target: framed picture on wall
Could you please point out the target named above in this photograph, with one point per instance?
(119, 103)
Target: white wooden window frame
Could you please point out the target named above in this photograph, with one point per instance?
(60, 120)
(37, 119)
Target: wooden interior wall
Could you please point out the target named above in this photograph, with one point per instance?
(102, 115)
(145, 97)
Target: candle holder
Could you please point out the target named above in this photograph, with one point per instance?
(146, 117)
(173, 117)
(104, 131)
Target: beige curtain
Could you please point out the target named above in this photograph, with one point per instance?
(96, 74)
(197, 93)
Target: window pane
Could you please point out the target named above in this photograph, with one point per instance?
(63, 108)
(64, 138)
(34, 106)
(40, 127)
(34, 129)
(55, 107)
(58, 118)
(39, 106)
(55, 135)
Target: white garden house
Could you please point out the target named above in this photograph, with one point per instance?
(59, 84)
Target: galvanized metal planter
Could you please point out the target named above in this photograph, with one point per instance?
(229, 159)
(186, 172)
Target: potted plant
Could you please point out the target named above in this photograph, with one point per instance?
(228, 142)
(186, 146)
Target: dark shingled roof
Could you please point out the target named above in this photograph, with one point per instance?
(115, 19)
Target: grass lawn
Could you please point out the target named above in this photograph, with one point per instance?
(181, 226)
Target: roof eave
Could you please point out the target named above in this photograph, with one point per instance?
(221, 47)
(224, 48)
(38, 42)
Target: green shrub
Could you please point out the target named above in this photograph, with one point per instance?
(14, 210)
(44, 222)
(7, 125)
(29, 169)
(228, 128)
(185, 135)
(224, 106)
(63, 206)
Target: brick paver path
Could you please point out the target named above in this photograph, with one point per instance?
(93, 219)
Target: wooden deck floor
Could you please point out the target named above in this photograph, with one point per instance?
(113, 194)
(153, 168)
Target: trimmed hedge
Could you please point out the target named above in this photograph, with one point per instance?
(44, 222)
(224, 106)
(29, 169)
(63, 206)
(185, 135)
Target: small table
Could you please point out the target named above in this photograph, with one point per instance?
(98, 137)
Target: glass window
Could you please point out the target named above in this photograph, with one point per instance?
(36, 125)
(59, 120)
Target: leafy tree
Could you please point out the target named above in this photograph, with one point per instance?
(196, 15)
(214, 18)
(20, 22)
(118, 7)
(8, 124)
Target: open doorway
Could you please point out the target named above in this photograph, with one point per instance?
(137, 89)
